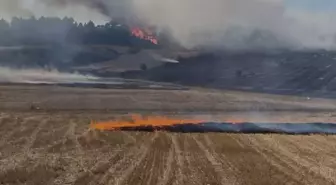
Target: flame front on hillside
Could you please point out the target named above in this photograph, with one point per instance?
(144, 34)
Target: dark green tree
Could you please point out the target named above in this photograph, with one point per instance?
(143, 67)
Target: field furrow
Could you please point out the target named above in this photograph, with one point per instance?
(56, 144)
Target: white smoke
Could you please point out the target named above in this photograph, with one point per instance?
(163, 59)
(41, 76)
(233, 24)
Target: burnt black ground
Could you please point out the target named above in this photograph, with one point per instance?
(303, 73)
(243, 128)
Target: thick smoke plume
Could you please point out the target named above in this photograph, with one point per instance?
(231, 24)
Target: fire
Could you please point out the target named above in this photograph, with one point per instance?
(144, 34)
(139, 121)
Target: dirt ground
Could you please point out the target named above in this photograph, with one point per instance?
(51, 142)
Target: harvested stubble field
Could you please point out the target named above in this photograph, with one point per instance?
(51, 142)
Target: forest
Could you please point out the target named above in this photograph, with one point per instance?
(54, 30)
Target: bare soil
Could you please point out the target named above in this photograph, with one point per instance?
(51, 142)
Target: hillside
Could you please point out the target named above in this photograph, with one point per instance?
(290, 72)
(282, 72)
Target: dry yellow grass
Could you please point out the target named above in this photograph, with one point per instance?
(61, 149)
(55, 145)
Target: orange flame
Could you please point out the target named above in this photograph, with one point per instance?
(138, 121)
(144, 34)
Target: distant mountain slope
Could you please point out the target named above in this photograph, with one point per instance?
(282, 71)
(78, 57)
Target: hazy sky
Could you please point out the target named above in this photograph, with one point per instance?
(28, 8)
(312, 5)
(9, 8)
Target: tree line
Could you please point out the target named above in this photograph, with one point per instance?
(54, 30)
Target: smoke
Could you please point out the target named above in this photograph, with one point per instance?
(231, 24)
(26, 8)
(36, 76)
(163, 59)
(236, 24)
